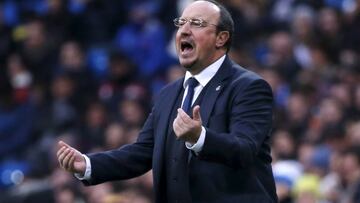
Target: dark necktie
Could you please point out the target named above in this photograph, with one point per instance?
(192, 83)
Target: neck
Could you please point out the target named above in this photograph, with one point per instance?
(197, 68)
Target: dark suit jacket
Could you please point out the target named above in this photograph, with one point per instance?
(234, 164)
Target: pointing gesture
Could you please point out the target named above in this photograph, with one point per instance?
(186, 128)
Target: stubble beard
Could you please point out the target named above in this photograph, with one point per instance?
(191, 67)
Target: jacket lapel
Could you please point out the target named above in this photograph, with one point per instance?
(215, 87)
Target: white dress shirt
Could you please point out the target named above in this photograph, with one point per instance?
(203, 78)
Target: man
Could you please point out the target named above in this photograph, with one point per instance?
(218, 154)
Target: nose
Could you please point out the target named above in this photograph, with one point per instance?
(185, 29)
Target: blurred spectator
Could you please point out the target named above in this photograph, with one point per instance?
(279, 87)
(341, 93)
(66, 194)
(350, 176)
(65, 188)
(121, 73)
(304, 154)
(333, 136)
(303, 31)
(62, 111)
(306, 189)
(96, 21)
(297, 115)
(281, 56)
(99, 193)
(352, 25)
(72, 63)
(20, 78)
(57, 20)
(37, 51)
(132, 113)
(329, 33)
(5, 37)
(95, 122)
(16, 119)
(329, 183)
(142, 40)
(173, 73)
(353, 133)
(320, 161)
(286, 174)
(115, 136)
(356, 103)
(330, 113)
(283, 146)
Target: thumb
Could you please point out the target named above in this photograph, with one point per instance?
(196, 113)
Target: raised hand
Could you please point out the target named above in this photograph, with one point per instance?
(70, 159)
(186, 128)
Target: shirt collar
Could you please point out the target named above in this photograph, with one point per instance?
(205, 75)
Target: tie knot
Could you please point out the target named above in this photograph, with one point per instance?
(192, 82)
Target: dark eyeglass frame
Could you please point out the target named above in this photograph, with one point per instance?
(194, 22)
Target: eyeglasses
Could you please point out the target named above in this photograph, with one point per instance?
(194, 22)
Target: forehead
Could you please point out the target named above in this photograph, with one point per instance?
(201, 9)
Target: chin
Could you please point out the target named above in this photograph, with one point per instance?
(186, 63)
(191, 67)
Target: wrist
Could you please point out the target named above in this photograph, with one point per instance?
(195, 137)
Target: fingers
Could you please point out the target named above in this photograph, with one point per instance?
(185, 127)
(70, 159)
(66, 156)
(60, 151)
(66, 162)
(182, 122)
(178, 126)
(70, 162)
(63, 157)
(62, 144)
(183, 116)
(196, 113)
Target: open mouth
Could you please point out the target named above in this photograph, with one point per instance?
(186, 47)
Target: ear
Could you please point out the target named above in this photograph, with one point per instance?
(222, 38)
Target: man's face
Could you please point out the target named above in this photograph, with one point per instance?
(196, 46)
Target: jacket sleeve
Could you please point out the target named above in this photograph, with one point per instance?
(126, 162)
(249, 126)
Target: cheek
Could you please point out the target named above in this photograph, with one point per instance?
(205, 48)
(177, 37)
(177, 40)
(206, 42)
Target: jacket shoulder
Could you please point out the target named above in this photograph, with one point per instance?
(166, 90)
(244, 76)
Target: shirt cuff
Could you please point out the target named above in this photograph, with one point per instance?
(197, 147)
(87, 174)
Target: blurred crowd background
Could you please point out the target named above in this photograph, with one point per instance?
(86, 71)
